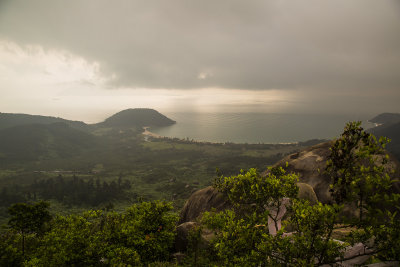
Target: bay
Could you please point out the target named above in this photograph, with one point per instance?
(257, 127)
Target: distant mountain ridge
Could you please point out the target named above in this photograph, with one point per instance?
(8, 120)
(389, 127)
(31, 142)
(138, 117)
(386, 118)
(31, 138)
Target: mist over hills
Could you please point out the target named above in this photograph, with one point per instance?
(27, 138)
(138, 117)
(30, 142)
(8, 120)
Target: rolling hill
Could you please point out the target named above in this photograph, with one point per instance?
(8, 120)
(391, 131)
(31, 138)
(389, 127)
(386, 118)
(138, 117)
(33, 142)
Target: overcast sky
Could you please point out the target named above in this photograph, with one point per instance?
(85, 59)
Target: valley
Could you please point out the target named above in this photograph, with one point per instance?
(101, 155)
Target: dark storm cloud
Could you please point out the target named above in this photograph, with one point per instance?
(337, 44)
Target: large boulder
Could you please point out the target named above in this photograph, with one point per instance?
(182, 234)
(203, 200)
(209, 198)
(314, 183)
(310, 165)
(307, 192)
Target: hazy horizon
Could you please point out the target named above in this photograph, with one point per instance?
(96, 116)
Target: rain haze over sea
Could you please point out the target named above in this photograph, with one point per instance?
(257, 127)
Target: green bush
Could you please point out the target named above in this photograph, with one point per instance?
(144, 233)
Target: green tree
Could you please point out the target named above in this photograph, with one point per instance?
(10, 255)
(358, 167)
(144, 233)
(266, 196)
(29, 219)
(362, 178)
(244, 235)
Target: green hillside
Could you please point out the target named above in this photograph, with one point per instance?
(8, 120)
(391, 131)
(386, 118)
(33, 142)
(389, 127)
(138, 117)
(160, 168)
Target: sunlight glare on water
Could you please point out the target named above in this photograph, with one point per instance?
(257, 127)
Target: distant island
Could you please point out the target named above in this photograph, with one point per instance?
(138, 117)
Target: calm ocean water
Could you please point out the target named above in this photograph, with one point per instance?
(257, 127)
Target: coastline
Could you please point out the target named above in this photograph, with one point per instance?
(256, 128)
(147, 133)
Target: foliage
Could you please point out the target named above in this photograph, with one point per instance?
(144, 233)
(236, 239)
(57, 140)
(263, 194)
(362, 178)
(138, 117)
(197, 253)
(357, 166)
(249, 234)
(159, 169)
(10, 253)
(311, 240)
(78, 191)
(243, 235)
(29, 219)
(74, 191)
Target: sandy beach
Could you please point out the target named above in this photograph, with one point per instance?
(147, 133)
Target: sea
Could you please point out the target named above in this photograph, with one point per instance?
(255, 128)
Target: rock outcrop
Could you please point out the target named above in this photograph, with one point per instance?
(314, 184)
(310, 165)
(209, 198)
(203, 200)
(307, 192)
(182, 233)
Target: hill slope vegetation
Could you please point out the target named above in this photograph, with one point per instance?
(138, 117)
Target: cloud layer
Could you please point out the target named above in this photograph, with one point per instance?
(254, 45)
